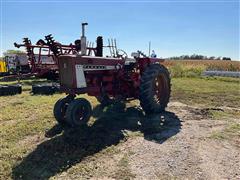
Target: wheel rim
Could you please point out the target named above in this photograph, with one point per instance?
(80, 114)
(64, 109)
(159, 85)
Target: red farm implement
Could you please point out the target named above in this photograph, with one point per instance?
(42, 61)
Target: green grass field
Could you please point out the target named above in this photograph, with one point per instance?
(26, 120)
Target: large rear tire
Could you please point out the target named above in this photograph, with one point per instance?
(78, 112)
(155, 89)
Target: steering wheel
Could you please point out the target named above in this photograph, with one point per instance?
(122, 54)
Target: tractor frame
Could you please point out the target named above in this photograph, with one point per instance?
(110, 78)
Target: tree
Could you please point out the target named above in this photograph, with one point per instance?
(212, 57)
(11, 51)
(226, 58)
(198, 57)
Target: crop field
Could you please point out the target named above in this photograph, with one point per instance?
(197, 137)
(195, 68)
(206, 64)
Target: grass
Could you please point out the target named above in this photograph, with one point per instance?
(26, 123)
(224, 115)
(207, 91)
(123, 171)
(232, 133)
(178, 70)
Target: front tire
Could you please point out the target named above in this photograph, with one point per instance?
(60, 108)
(78, 112)
(155, 89)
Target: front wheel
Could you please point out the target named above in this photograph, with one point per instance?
(60, 108)
(155, 89)
(78, 112)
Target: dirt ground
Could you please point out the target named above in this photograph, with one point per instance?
(185, 150)
(178, 144)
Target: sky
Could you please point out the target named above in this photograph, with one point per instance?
(175, 28)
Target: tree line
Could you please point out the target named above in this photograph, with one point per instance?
(184, 57)
(199, 57)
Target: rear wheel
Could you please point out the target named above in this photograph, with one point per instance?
(78, 112)
(155, 89)
(60, 109)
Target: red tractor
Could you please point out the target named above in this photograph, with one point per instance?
(107, 78)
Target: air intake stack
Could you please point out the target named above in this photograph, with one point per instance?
(99, 46)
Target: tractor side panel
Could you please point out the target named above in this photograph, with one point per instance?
(67, 73)
(88, 74)
(80, 77)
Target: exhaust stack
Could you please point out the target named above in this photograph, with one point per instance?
(83, 40)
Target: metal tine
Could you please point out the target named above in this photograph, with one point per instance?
(113, 48)
(87, 43)
(115, 43)
(90, 51)
(92, 45)
(109, 44)
(89, 46)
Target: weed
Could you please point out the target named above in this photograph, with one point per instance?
(231, 133)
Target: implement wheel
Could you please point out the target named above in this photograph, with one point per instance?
(78, 112)
(154, 89)
(60, 108)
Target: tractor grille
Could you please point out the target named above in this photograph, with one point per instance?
(66, 69)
